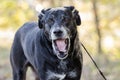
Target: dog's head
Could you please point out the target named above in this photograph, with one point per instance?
(59, 25)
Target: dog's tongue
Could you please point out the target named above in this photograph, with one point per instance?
(61, 45)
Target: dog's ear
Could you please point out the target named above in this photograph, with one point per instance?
(75, 14)
(77, 17)
(40, 19)
(41, 16)
(71, 8)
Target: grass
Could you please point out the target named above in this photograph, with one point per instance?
(5, 71)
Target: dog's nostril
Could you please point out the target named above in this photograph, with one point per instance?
(58, 32)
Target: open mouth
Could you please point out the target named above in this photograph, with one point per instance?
(61, 47)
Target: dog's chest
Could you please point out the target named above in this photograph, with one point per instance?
(62, 72)
(62, 65)
(61, 76)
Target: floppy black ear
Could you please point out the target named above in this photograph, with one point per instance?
(40, 19)
(71, 8)
(41, 16)
(77, 17)
(75, 14)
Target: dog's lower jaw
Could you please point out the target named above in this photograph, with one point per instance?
(61, 54)
(61, 58)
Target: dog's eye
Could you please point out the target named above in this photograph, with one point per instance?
(65, 20)
(50, 20)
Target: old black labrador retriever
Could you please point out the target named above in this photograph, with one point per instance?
(51, 46)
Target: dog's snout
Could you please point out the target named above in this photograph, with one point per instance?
(58, 32)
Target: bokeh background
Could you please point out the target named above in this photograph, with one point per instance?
(99, 32)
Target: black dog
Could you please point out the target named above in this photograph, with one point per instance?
(51, 46)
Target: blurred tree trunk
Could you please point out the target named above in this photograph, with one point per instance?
(95, 10)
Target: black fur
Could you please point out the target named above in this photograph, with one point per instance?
(33, 47)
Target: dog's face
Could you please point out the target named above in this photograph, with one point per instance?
(59, 25)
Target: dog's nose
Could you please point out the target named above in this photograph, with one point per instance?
(58, 32)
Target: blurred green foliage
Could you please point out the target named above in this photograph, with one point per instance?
(13, 13)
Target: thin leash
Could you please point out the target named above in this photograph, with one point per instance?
(101, 73)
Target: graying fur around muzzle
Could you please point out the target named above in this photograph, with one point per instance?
(60, 41)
